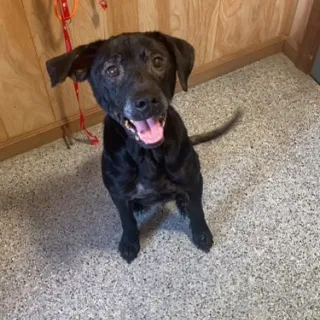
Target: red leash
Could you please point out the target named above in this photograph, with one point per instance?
(103, 4)
(65, 16)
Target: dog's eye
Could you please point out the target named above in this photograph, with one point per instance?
(157, 62)
(113, 71)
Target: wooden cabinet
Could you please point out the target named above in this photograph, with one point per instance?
(300, 20)
(225, 33)
(242, 24)
(25, 104)
(46, 31)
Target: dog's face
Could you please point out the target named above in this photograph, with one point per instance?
(133, 78)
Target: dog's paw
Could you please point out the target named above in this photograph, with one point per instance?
(129, 248)
(203, 239)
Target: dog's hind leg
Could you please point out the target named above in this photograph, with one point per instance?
(191, 206)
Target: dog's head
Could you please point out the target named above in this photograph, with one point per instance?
(132, 76)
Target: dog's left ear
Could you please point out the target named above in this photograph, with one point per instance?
(183, 53)
(75, 64)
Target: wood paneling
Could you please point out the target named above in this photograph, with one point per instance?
(24, 102)
(246, 23)
(235, 61)
(196, 21)
(87, 25)
(163, 8)
(300, 20)
(310, 45)
(3, 133)
(238, 26)
(148, 15)
(273, 18)
(291, 12)
(125, 16)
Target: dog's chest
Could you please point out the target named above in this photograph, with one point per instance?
(153, 186)
(154, 190)
(142, 191)
(151, 176)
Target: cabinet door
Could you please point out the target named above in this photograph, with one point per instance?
(246, 23)
(24, 104)
(139, 15)
(88, 24)
(196, 21)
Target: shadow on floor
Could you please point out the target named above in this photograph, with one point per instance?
(72, 212)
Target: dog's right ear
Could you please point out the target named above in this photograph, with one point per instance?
(75, 64)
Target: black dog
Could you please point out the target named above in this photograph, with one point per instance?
(148, 156)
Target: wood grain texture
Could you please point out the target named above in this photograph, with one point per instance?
(310, 45)
(243, 23)
(300, 20)
(3, 133)
(274, 15)
(236, 60)
(196, 22)
(163, 8)
(125, 15)
(290, 12)
(24, 103)
(148, 15)
(88, 24)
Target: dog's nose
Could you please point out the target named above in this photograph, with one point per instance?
(146, 102)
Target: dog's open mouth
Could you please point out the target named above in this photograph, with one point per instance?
(149, 131)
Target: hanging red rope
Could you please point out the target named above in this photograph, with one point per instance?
(103, 4)
(65, 16)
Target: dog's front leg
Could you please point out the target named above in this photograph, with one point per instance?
(191, 205)
(129, 245)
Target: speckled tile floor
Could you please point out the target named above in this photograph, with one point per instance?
(59, 230)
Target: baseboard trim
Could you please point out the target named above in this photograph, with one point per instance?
(42, 136)
(291, 50)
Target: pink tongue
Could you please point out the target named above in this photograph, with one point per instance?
(150, 131)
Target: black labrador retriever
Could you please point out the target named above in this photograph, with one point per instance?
(148, 156)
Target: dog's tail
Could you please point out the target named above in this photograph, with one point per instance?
(210, 135)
